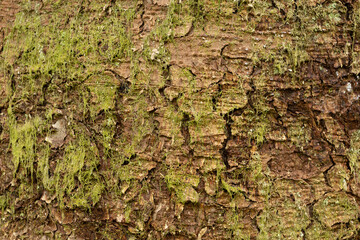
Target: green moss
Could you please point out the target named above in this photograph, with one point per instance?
(342, 231)
(197, 11)
(235, 226)
(172, 121)
(355, 64)
(199, 108)
(259, 130)
(3, 203)
(183, 184)
(108, 132)
(299, 134)
(283, 220)
(23, 138)
(76, 176)
(318, 231)
(72, 51)
(229, 188)
(336, 208)
(254, 12)
(338, 217)
(48, 50)
(258, 119)
(283, 56)
(103, 90)
(233, 97)
(353, 154)
(251, 173)
(43, 167)
(163, 33)
(319, 17)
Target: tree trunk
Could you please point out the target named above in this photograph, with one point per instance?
(171, 119)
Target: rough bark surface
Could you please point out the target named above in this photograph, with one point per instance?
(197, 119)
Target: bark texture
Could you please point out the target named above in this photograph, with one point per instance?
(193, 119)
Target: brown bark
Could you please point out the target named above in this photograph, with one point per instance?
(196, 119)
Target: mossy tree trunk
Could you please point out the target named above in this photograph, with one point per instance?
(170, 119)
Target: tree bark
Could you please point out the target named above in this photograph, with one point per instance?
(164, 119)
